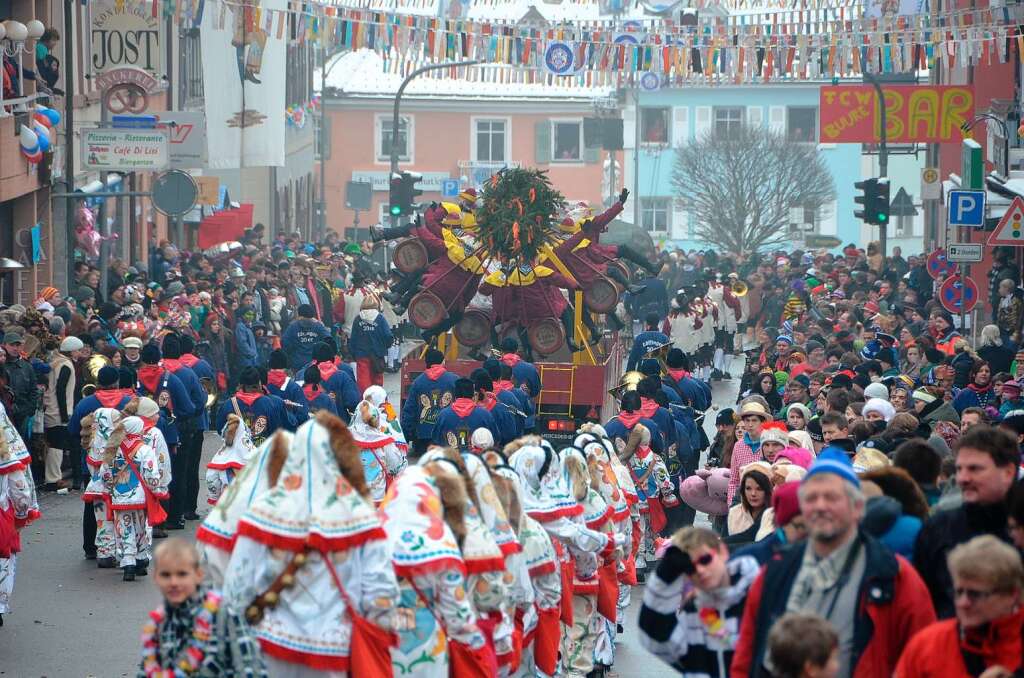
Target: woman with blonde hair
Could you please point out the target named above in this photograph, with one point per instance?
(985, 637)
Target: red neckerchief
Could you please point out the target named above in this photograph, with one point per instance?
(109, 397)
(149, 376)
(172, 364)
(979, 389)
(434, 372)
(311, 391)
(678, 374)
(648, 407)
(188, 360)
(629, 419)
(463, 407)
(503, 385)
(327, 370)
(147, 423)
(248, 398)
(276, 377)
(511, 359)
(489, 401)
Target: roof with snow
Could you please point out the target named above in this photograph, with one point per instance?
(361, 74)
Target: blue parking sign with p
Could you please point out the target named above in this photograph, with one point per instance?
(449, 188)
(966, 208)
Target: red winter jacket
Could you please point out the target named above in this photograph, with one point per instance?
(893, 605)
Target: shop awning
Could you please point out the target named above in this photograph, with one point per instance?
(225, 225)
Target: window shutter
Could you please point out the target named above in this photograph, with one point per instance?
(591, 155)
(629, 127)
(679, 227)
(755, 116)
(680, 126)
(542, 141)
(777, 119)
(703, 121)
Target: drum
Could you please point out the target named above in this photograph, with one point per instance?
(474, 329)
(622, 268)
(546, 336)
(602, 295)
(426, 310)
(410, 256)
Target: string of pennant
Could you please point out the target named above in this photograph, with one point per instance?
(790, 45)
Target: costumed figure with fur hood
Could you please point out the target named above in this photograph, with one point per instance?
(541, 593)
(548, 498)
(18, 505)
(96, 430)
(132, 478)
(311, 565)
(389, 422)
(424, 516)
(381, 458)
(235, 452)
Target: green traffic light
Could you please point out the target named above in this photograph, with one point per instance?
(883, 218)
(396, 210)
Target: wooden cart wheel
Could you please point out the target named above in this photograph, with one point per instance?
(621, 267)
(602, 295)
(474, 329)
(426, 310)
(546, 336)
(410, 256)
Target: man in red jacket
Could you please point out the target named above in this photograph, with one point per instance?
(875, 600)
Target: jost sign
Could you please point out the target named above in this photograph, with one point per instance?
(125, 34)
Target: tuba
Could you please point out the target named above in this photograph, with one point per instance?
(91, 373)
(659, 353)
(629, 381)
(740, 289)
(211, 391)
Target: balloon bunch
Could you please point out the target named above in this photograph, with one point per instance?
(35, 138)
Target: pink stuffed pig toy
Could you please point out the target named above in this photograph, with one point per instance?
(707, 491)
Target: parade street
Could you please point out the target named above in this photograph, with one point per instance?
(91, 621)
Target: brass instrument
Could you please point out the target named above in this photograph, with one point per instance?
(629, 381)
(211, 391)
(91, 373)
(659, 353)
(740, 289)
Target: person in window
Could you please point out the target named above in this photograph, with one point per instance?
(655, 132)
(47, 64)
(568, 153)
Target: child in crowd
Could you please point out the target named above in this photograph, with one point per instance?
(802, 645)
(194, 632)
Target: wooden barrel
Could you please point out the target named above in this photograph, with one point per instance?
(546, 336)
(474, 329)
(602, 295)
(426, 310)
(410, 256)
(622, 268)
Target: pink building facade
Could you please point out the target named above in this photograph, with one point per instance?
(456, 139)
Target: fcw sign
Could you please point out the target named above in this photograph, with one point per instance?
(186, 131)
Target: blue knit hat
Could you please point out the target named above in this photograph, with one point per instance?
(836, 461)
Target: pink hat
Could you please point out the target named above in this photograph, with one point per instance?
(785, 502)
(797, 456)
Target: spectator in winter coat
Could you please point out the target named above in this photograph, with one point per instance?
(369, 344)
(216, 350)
(245, 340)
(690, 638)
(987, 460)
(21, 380)
(988, 578)
(875, 600)
(301, 337)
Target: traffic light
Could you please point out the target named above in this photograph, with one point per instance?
(403, 193)
(874, 199)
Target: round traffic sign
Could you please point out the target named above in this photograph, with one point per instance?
(956, 290)
(939, 266)
(174, 193)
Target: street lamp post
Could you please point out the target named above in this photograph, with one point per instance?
(398, 104)
(969, 125)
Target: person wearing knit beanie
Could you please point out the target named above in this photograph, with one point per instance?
(773, 438)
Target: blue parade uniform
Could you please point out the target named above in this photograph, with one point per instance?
(525, 373)
(644, 343)
(317, 400)
(262, 414)
(170, 394)
(619, 427)
(284, 387)
(300, 339)
(456, 423)
(431, 392)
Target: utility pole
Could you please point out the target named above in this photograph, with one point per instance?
(398, 104)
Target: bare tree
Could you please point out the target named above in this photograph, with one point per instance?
(740, 188)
